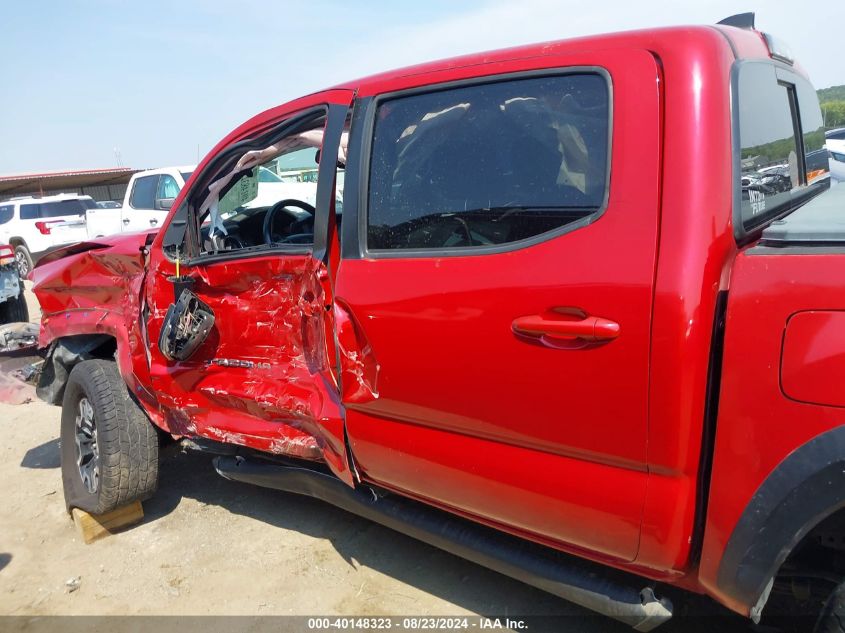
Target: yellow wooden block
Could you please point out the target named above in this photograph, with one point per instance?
(92, 527)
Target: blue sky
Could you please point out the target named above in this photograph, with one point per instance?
(162, 81)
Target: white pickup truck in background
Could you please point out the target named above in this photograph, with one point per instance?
(149, 196)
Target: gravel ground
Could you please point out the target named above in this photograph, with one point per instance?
(208, 546)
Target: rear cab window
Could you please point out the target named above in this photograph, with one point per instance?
(488, 164)
(781, 157)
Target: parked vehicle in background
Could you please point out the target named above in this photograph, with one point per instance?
(837, 166)
(149, 196)
(34, 226)
(835, 140)
(562, 327)
(835, 143)
(12, 302)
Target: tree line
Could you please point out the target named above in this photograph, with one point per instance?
(833, 106)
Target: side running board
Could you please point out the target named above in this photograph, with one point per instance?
(607, 591)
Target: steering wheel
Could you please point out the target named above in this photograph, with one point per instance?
(272, 211)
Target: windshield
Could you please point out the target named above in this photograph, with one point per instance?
(186, 175)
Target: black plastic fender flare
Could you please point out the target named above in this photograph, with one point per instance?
(804, 489)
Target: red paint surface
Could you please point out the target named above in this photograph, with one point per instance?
(592, 448)
(269, 309)
(472, 415)
(813, 360)
(758, 425)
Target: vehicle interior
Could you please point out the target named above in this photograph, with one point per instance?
(488, 164)
(265, 198)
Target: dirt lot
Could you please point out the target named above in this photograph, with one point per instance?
(210, 546)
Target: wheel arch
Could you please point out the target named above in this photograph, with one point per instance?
(806, 488)
(18, 241)
(64, 353)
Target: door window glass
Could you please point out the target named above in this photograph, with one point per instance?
(6, 213)
(488, 164)
(143, 193)
(168, 188)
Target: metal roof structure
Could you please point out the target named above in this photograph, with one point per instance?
(70, 181)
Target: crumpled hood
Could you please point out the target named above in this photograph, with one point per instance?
(112, 241)
(93, 274)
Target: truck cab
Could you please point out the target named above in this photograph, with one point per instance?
(149, 196)
(545, 331)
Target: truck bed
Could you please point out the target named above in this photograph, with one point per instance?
(820, 222)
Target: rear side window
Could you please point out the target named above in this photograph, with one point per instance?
(488, 164)
(30, 211)
(781, 143)
(7, 212)
(144, 193)
(61, 208)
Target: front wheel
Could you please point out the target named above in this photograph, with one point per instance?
(109, 446)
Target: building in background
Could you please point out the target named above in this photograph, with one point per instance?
(100, 184)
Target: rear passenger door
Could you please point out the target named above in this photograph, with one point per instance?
(494, 297)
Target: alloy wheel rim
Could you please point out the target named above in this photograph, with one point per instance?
(87, 449)
(23, 266)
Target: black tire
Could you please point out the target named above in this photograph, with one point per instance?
(14, 310)
(832, 616)
(124, 451)
(23, 260)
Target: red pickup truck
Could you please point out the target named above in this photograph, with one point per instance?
(560, 323)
